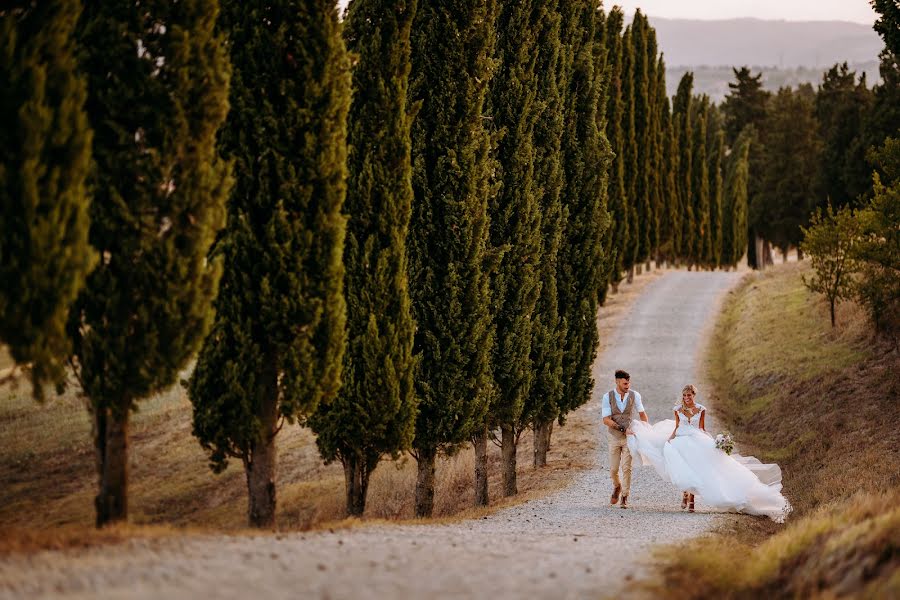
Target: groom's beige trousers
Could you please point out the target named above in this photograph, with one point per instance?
(619, 456)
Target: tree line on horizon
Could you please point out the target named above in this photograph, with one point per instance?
(395, 229)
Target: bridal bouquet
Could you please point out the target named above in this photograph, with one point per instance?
(724, 442)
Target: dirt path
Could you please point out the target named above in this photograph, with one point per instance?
(568, 545)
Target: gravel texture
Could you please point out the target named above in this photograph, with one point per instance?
(571, 544)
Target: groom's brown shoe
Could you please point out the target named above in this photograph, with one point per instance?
(614, 499)
(624, 503)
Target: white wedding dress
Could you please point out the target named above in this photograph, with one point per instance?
(693, 464)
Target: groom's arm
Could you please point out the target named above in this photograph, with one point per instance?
(640, 406)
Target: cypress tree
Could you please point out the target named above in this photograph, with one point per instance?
(157, 95)
(586, 156)
(734, 207)
(617, 237)
(277, 344)
(700, 230)
(715, 141)
(548, 328)
(642, 165)
(657, 159)
(44, 203)
(515, 224)
(745, 105)
(670, 221)
(374, 414)
(453, 43)
(629, 149)
(682, 109)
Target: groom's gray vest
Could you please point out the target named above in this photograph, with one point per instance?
(621, 417)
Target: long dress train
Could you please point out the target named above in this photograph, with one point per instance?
(692, 463)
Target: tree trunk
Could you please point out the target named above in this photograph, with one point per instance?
(649, 266)
(630, 278)
(481, 475)
(508, 445)
(767, 254)
(832, 312)
(425, 481)
(260, 466)
(759, 253)
(615, 287)
(799, 253)
(111, 502)
(356, 478)
(784, 255)
(542, 443)
(639, 268)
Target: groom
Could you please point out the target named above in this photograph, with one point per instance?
(618, 408)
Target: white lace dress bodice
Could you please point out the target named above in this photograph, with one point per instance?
(688, 425)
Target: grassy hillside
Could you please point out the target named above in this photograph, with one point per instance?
(825, 404)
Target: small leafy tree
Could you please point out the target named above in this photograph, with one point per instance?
(878, 250)
(830, 241)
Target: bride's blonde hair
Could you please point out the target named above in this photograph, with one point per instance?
(688, 388)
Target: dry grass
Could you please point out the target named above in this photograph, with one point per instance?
(47, 478)
(822, 403)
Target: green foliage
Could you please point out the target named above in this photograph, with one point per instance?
(280, 328)
(745, 103)
(878, 251)
(644, 49)
(734, 206)
(586, 157)
(453, 44)
(698, 236)
(158, 85)
(888, 23)
(44, 201)
(841, 106)
(548, 328)
(830, 241)
(374, 413)
(616, 128)
(715, 142)
(683, 116)
(514, 212)
(629, 150)
(789, 179)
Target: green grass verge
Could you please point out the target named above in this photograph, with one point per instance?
(823, 403)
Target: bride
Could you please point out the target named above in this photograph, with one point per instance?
(683, 453)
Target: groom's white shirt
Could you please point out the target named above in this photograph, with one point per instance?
(606, 409)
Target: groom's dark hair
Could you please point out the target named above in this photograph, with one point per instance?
(620, 374)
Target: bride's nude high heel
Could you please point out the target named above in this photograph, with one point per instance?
(684, 500)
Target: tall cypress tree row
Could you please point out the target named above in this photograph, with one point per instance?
(630, 152)
(715, 142)
(515, 223)
(453, 43)
(643, 135)
(617, 237)
(700, 238)
(682, 109)
(157, 95)
(548, 328)
(734, 207)
(373, 416)
(277, 344)
(44, 203)
(586, 157)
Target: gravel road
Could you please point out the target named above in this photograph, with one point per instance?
(569, 545)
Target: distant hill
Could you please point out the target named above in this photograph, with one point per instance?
(788, 52)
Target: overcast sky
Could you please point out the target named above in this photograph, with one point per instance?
(789, 10)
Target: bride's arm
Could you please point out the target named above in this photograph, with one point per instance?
(676, 426)
(703, 420)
